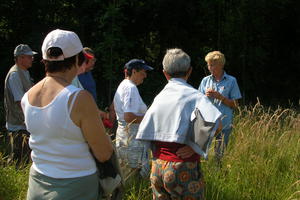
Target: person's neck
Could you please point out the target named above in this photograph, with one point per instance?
(185, 78)
(81, 70)
(131, 79)
(59, 77)
(218, 77)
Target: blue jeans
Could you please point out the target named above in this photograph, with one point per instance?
(221, 142)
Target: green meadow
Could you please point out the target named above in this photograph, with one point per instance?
(262, 162)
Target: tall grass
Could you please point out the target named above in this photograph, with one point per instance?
(13, 182)
(262, 159)
(262, 162)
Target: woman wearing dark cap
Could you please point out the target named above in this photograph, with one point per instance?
(130, 109)
(64, 124)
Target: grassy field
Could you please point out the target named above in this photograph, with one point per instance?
(262, 162)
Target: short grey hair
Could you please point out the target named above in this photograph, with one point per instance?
(176, 62)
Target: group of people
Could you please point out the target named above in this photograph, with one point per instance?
(66, 135)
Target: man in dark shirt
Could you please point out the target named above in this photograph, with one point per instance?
(86, 78)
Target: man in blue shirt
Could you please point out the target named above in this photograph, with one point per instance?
(86, 78)
(223, 91)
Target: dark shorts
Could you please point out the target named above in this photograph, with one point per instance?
(176, 180)
(18, 146)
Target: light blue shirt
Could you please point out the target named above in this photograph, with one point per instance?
(168, 118)
(229, 88)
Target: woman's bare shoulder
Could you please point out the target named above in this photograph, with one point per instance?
(85, 101)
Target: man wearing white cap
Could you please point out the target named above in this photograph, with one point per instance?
(17, 82)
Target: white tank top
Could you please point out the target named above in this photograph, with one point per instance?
(59, 149)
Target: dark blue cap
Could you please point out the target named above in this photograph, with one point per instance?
(137, 64)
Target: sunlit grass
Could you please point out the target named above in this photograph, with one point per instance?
(137, 189)
(13, 183)
(262, 161)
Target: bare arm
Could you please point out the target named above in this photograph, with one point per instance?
(219, 129)
(85, 114)
(112, 113)
(102, 114)
(132, 118)
(229, 102)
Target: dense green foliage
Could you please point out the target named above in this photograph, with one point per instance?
(259, 38)
(261, 162)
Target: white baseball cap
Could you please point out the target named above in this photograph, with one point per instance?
(67, 41)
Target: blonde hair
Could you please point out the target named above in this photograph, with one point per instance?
(215, 56)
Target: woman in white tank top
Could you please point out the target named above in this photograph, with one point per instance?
(65, 126)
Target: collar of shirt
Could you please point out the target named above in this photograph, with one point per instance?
(223, 77)
(178, 80)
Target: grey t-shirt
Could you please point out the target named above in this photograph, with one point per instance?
(16, 88)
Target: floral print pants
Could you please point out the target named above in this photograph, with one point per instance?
(176, 180)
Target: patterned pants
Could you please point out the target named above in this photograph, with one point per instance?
(176, 180)
(132, 153)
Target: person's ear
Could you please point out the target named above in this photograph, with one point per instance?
(77, 61)
(190, 71)
(168, 77)
(188, 74)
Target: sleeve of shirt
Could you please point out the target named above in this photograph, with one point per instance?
(15, 84)
(131, 100)
(202, 87)
(235, 91)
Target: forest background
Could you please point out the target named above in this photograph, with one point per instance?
(260, 40)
